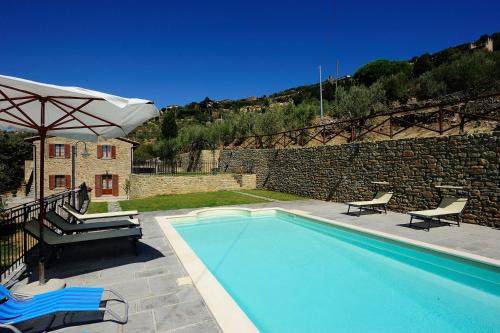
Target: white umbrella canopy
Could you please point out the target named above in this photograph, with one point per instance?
(70, 112)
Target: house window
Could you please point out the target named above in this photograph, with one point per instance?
(107, 184)
(60, 181)
(106, 152)
(59, 151)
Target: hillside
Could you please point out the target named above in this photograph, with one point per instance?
(469, 69)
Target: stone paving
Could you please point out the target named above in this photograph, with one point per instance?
(161, 303)
(114, 206)
(471, 238)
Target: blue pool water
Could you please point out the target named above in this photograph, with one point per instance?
(291, 274)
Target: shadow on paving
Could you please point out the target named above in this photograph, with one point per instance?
(59, 320)
(363, 212)
(424, 225)
(80, 261)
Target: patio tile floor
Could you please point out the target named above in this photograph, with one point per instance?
(148, 282)
(160, 304)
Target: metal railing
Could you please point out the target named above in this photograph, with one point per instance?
(15, 243)
(175, 167)
(439, 118)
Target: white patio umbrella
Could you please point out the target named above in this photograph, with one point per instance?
(70, 112)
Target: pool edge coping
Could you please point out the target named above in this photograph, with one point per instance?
(220, 302)
(227, 313)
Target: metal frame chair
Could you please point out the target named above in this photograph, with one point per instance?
(21, 299)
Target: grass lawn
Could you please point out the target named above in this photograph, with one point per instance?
(98, 207)
(189, 200)
(274, 195)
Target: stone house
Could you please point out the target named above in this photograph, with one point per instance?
(106, 168)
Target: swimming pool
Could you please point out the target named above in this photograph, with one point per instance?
(291, 273)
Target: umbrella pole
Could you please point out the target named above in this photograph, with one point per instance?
(41, 216)
(42, 286)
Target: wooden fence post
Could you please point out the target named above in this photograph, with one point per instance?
(390, 126)
(440, 120)
(462, 123)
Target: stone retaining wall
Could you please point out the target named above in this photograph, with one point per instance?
(142, 186)
(413, 167)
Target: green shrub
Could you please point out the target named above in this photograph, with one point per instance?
(422, 64)
(13, 151)
(169, 127)
(359, 101)
(302, 114)
(470, 71)
(167, 149)
(396, 86)
(144, 152)
(373, 71)
(194, 137)
(271, 121)
(146, 132)
(428, 87)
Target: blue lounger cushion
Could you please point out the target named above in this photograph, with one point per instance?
(14, 310)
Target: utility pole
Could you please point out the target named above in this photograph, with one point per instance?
(337, 76)
(73, 175)
(320, 94)
(336, 86)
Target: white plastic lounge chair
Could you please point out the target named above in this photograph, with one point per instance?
(449, 206)
(382, 198)
(73, 212)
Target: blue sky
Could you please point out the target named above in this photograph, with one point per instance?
(175, 52)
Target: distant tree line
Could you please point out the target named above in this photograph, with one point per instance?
(428, 76)
(13, 151)
(373, 88)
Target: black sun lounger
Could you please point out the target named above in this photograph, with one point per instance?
(68, 228)
(56, 241)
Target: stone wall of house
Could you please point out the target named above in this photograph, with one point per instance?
(28, 169)
(412, 167)
(87, 168)
(142, 186)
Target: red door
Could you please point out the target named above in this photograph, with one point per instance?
(107, 184)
